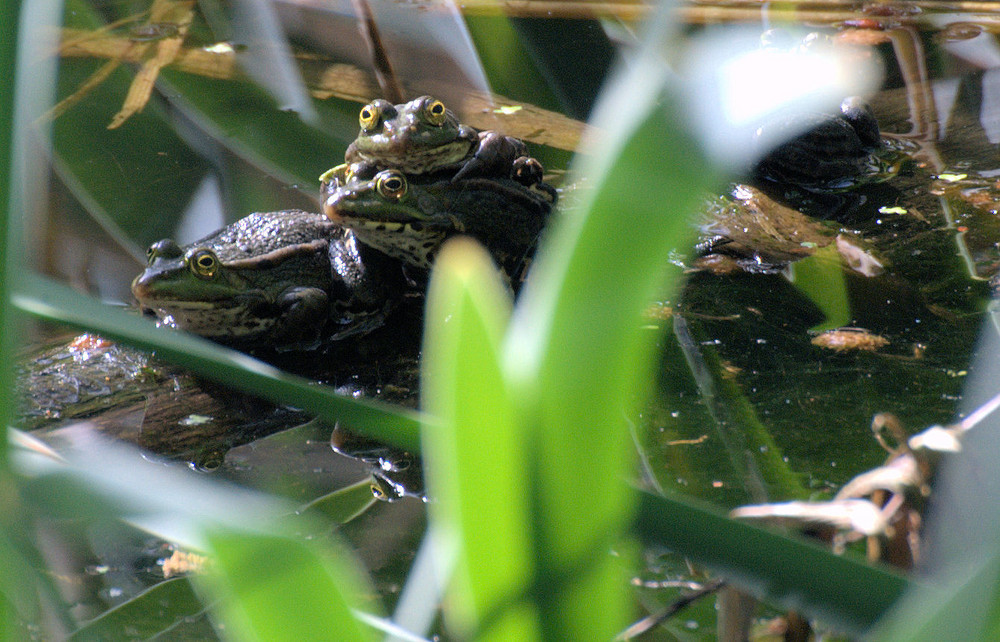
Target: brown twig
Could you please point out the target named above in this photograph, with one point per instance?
(165, 50)
(392, 90)
(327, 79)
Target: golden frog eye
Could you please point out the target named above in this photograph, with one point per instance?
(435, 112)
(391, 184)
(370, 116)
(204, 263)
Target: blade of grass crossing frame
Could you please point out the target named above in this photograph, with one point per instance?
(575, 351)
(46, 299)
(475, 452)
(276, 588)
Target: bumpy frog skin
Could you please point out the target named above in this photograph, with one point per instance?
(415, 137)
(284, 279)
(837, 151)
(409, 218)
(422, 136)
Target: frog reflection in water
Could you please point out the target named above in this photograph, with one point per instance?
(422, 136)
(284, 279)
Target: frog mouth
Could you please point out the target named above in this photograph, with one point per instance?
(413, 158)
(211, 320)
(340, 217)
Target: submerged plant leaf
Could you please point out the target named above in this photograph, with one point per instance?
(156, 611)
(476, 452)
(821, 278)
(51, 301)
(343, 504)
(754, 455)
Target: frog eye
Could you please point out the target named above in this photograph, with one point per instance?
(370, 116)
(378, 492)
(165, 249)
(435, 112)
(204, 263)
(391, 184)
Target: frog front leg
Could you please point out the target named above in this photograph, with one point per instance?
(494, 156)
(303, 312)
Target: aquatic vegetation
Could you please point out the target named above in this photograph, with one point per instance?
(531, 410)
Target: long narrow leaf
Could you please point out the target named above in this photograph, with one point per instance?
(576, 354)
(845, 593)
(274, 588)
(476, 453)
(158, 610)
(45, 299)
(8, 46)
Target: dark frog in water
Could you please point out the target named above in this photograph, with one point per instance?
(834, 151)
(285, 279)
(422, 136)
(409, 218)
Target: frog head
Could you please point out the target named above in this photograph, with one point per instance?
(415, 137)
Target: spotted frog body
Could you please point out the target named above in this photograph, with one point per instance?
(286, 279)
(423, 137)
(834, 151)
(410, 217)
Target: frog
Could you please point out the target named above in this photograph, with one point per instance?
(409, 217)
(836, 151)
(289, 280)
(423, 136)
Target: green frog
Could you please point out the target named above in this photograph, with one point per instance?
(287, 279)
(410, 217)
(423, 136)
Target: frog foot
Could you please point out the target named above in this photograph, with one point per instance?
(495, 156)
(303, 313)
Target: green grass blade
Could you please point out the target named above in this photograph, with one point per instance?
(266, 578)
(274, 588)
(476, 452)
(576, 354)
(844, 593)
(9, 13)
(46, 299)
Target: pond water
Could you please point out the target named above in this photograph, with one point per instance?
(747, 406)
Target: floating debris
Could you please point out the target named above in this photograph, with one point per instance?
(844, 339)
(183, 563)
